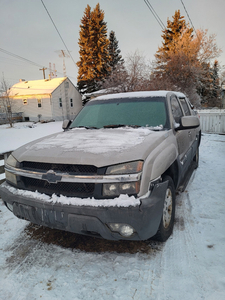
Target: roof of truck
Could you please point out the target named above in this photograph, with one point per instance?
(143, 94)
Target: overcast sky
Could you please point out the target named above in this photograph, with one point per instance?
(27, 31)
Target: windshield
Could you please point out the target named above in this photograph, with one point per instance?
(147, 112)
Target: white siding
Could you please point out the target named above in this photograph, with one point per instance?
(49, 91)
(31, 109)
(66, 91)
(212, 121)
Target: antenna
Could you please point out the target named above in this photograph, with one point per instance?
(63, 54)
(52, 72)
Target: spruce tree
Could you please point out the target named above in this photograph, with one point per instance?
(215, 90)
(204, 83)
(209, 87)
(177, 35)
(183, 62)
(84, 42)
(114, 52)
(94, 57)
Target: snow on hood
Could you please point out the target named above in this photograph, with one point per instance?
(94, 141)
(99, 147)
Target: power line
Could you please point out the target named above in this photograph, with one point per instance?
(161, 24)
(189, 18)
(58, 32)
(27, 60)
(20, 57)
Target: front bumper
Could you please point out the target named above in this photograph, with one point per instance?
(90, 220)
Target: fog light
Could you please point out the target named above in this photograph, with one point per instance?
(123, 229)
(126, 230)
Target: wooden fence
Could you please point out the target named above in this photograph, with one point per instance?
(212, 120)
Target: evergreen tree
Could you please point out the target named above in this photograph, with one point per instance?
(176, 33)
(84, 42)
(114, 52)
(204, 83)
(215, 91)
(209, 87)
(94, 57)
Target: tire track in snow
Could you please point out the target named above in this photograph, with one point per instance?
(27, 257)
(177, 270)
(183, 268)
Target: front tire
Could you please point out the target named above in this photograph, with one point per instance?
(167, 221)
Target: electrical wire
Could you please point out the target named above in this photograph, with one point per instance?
(20, 57)
(58, 32)
(189, 18)
(161, 24)
(29, 61)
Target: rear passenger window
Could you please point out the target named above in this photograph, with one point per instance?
(185, 107)
(176, 109)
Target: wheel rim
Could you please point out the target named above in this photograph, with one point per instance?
(168, 207)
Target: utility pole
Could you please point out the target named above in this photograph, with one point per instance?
(43, 69)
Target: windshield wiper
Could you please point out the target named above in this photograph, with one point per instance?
(120, 125)
(156, 128)
(114, 126)
(86, 127)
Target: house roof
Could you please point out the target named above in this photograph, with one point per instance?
(35, 87)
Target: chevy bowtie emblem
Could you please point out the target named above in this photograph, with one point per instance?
(51, 177)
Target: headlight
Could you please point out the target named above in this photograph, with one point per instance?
(127, 168)
(10, 177)
(115, 189)
(11, 161)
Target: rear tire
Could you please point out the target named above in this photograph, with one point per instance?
(167, 221)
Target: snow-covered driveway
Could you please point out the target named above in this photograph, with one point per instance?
(40, 263)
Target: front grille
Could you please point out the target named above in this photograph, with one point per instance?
(61, 168)
(69, 189)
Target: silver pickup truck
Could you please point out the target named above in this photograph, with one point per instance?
(113, 172)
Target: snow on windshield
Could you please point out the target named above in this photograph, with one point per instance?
(148, 111)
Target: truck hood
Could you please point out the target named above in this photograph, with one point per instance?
(99, 147)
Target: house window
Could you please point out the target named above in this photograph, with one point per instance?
(66, 84)
(60, 102)
(39, 102)
(24, 101)
(71, 102)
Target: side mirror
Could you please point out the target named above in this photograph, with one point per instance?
(66, 124)
(188, 122)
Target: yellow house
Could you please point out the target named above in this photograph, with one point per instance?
(48, 99)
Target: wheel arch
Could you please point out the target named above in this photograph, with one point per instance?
(174, 173)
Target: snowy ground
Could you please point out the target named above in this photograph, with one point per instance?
(39, 263)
